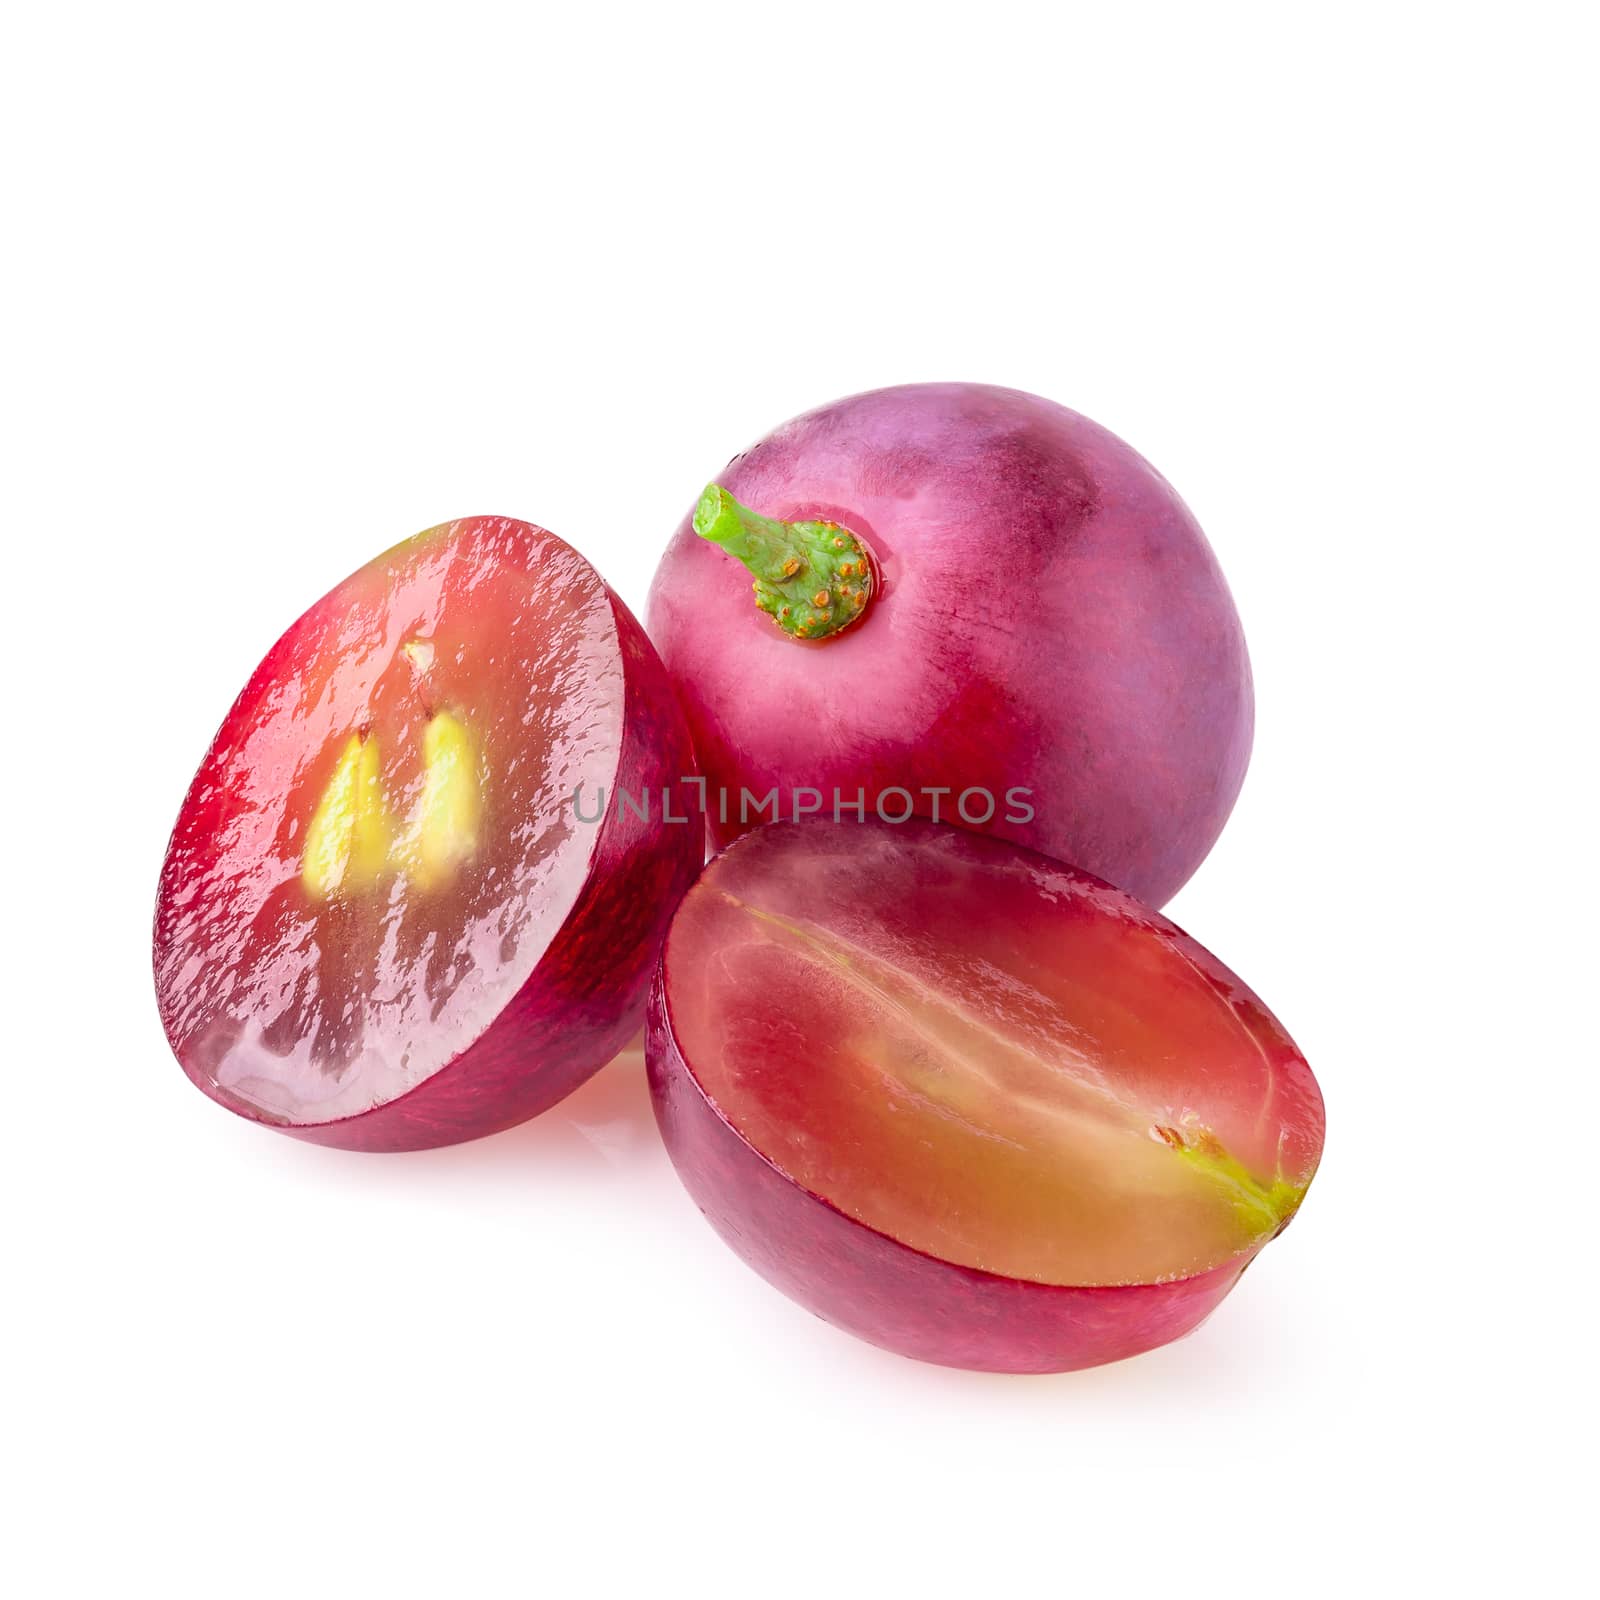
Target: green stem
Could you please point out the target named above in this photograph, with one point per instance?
(814, 579)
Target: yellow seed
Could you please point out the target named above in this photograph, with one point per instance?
(347, 840)
(444, 828)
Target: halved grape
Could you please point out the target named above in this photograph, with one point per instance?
(383, 922)
(967, 1102)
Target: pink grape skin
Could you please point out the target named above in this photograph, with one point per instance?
(1050, 618)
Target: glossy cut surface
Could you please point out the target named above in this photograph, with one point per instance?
(988, 1062)
(1050, 618)
(380, 848)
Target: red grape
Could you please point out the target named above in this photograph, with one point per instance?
(970, 1104)
(974, 596)
(383, 923)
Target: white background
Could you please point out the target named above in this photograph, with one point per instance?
(287, 283)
